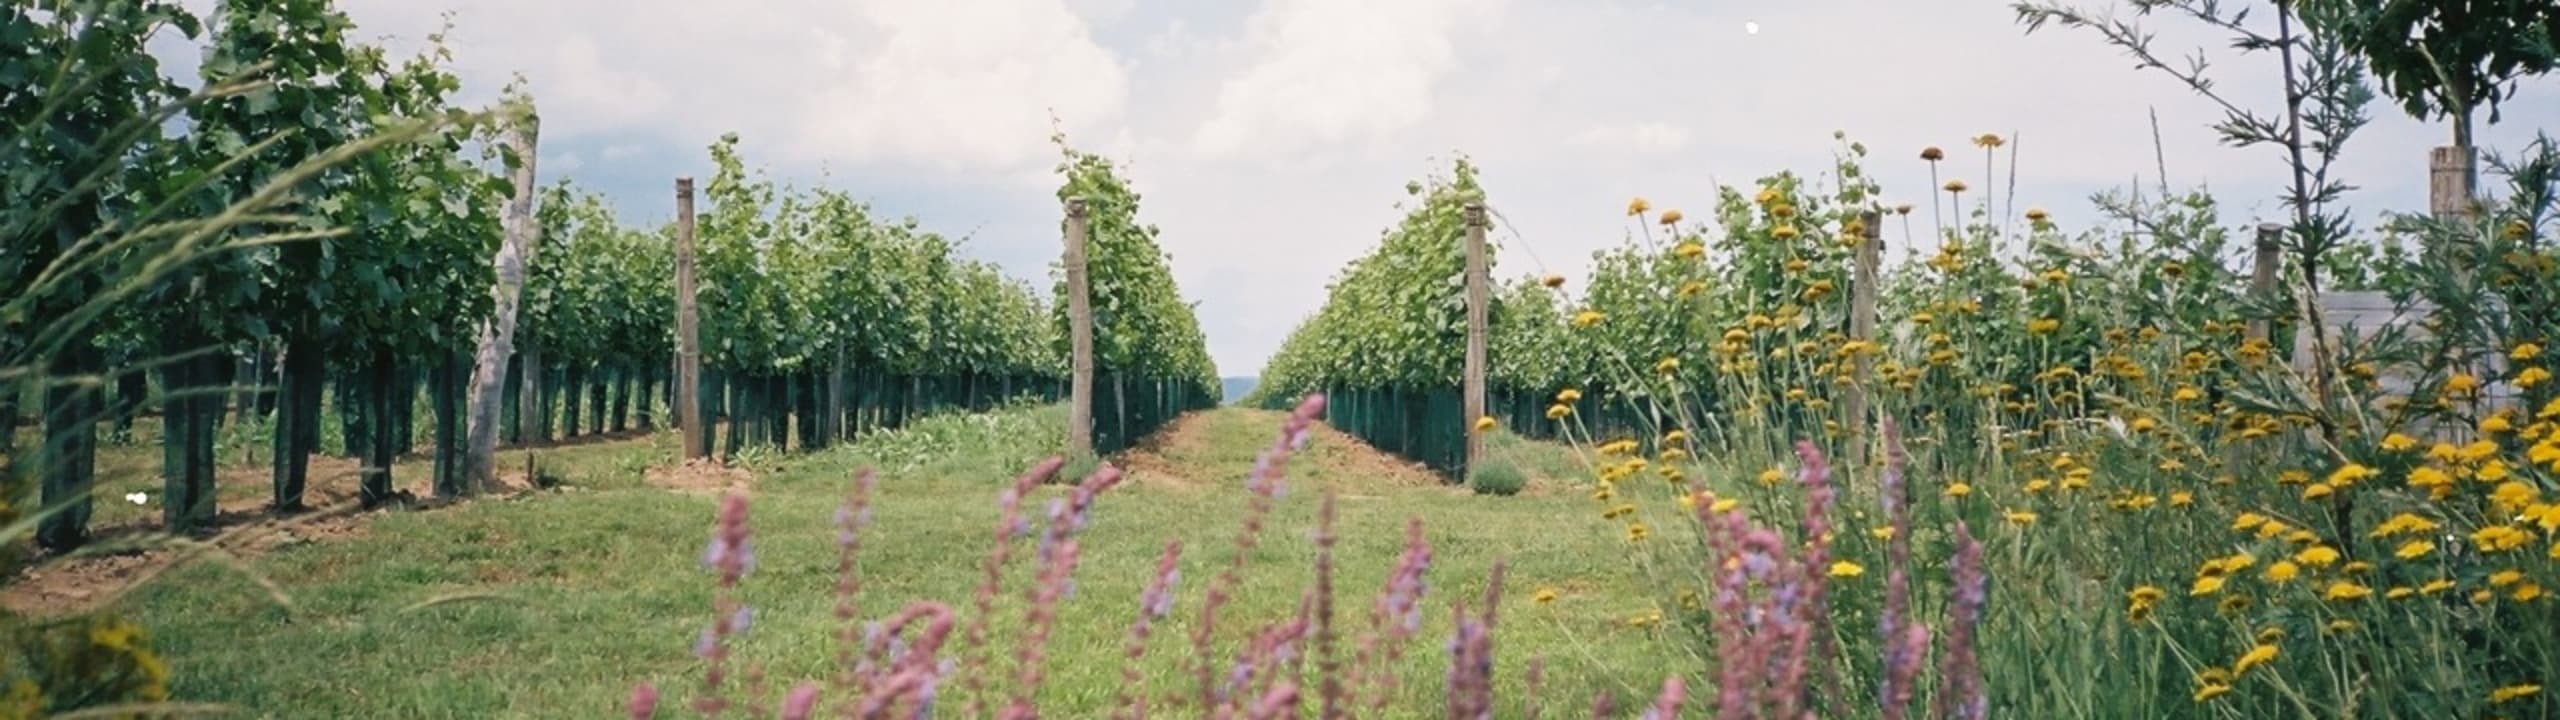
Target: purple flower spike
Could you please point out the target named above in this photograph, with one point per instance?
(644, 702)
(802, 700)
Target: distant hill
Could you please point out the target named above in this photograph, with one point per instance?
(1236, 387)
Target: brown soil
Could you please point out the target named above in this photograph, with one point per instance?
(701, 476)
(1172, 456)
(120, 557)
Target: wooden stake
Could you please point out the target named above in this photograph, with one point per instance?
(1080, 336)
(688, 338)
(1862, 327)
(1478, 300)
(2262, 277)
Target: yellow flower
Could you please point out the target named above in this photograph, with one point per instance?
(2505, 578)
(1675, 437)
(2036, 215)
(1932, 153)
(1485, 423)
(2435, 586)
(1558, 412)
(2181, 498)
(2206, 585)
(2209, 691)
(1955, 186)
(1568, 395)
(1771, 476)
(2317, 491)
(1724, 505)
(2500, 538)
(2256, 656)
(1545, 595)
(2187, 394)
(1987, 141)
(2524, 352)
(1958, 489)
(2532, 376)
(1670, 217)
(1638, 206)
(2461, 384)
(2349, 474)
(1784, 232)
(2043, 326)
(2019, 517)
(2283, 571)
(2496, 424)
(2414, 549)
(2317, 556)
(1552, 280)
(1587, 318)
(2249, 521)
(2397, 442)
(2343, 590)
(1846, 569)
(2511, 693)
(1636, 532)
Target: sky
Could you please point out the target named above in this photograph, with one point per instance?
(1272, 139)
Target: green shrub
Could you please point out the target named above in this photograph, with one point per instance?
(1496, 477)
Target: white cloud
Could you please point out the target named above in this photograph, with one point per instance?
(563, 163)
(962, 85)
(618, 152)
(1329, 71)
(1646, 137)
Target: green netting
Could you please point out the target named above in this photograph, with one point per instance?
(1128, 409)
(1425, 425)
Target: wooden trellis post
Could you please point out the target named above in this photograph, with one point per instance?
(1080, 336)
(1478, 297)
(1862, 328)
(697, 437)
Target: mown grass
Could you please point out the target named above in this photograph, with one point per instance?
(572, 597)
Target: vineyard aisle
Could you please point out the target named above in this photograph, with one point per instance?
(553, 601)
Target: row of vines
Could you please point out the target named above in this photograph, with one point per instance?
(327, 324)
(1737, 319)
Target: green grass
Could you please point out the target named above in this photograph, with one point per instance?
(598, 589)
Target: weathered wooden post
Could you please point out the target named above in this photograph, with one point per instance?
(697, 437)
(2262, 276)
(1862, 328)
(1478, 298)
(1079, 336)
(2453, 176)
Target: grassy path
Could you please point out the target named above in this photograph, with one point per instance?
(575, 594)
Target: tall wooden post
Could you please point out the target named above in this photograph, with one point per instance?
(688, 339)
(1862, 328)
(1079, 337)
(1479, 297)
(2453, 173)
(2262, 276)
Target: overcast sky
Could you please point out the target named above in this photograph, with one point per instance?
(1272, 138)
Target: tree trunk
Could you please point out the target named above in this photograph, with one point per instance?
(378, 450)
(497, 336)
(297, 421)
(599, 378)
(621, 397)
(647, 398)
(188, 416)
(453, 380)
(360, 401)
(404, 410)
(573, 383)
(736, 395)
(69, 458)
(133, 393)
(510, 402)
(533, 421)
